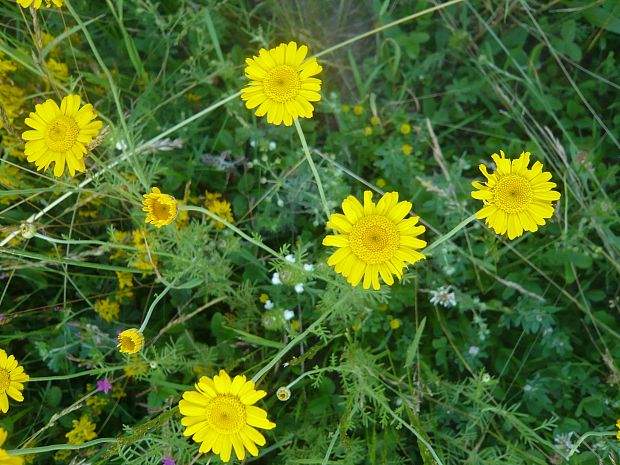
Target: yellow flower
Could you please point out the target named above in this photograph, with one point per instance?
(5, 458)
(221, 416)
(107, 310)
(374, 120)
(263, 298)
(515, 197)
(358, 110)
(130, 341)
(407, 149)
(374, 239)
(161, 209)
(395, 324)
(346, 108)
(380, 182)
(221, 208)
(12, 377)
(368, 131)
(59, 70)
(405, 129)
(37, 3)
(97, 403)
(125, 279)
(137, 368)
(281, 85)
(61, 134)
(83, 430)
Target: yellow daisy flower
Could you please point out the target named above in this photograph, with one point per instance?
(37, 3)
(405, 128)
(83, 430)
(281, 83)
(374, 239)
(515, 197)
(395, 324)
(407, 149)
(221, 416)
(5, 458)
(12, 377)
(130, 341)
(61, 134)
(161, 209)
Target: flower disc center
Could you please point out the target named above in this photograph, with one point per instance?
(127, 343)
(374, 239)
(62, 134)
(226, 414)
(161, 210)
(282, 84)
(512, 194)
(5, 380)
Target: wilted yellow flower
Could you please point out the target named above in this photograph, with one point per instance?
(221, 416)
(12, 377)
(61, 134)
(107, 310)
(59, 70)
(83, 430)
(281, 84)
(221, 208)
(161, 209)
(130, 341)
(374, 239)
(125, 279)
(515, 198)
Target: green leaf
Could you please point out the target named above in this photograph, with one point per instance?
(413, 347)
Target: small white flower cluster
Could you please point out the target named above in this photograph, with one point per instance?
(299, 287)
(444, 296)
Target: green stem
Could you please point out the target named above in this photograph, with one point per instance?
(152, 307)
(447, 236)
(290, 345)
(386, 26)
(232, 227)
(586, 436)
(53, 447)
(96, 371)
(319, 184)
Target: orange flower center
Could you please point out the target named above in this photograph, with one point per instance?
(62, 134)
(512, 194)
(226, 414)
(374, 239)
(282, 84)
(5, 380)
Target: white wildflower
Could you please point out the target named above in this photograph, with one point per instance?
(444, 296)
(275, 279)
(288, 315)
(299, 288)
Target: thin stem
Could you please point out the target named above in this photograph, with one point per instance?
(232, 227)
(53, 447)
(319, 184)
(290, 345)
(447, 236)
(586, 436)
(387, 26)
(96, 371)
(152, 307)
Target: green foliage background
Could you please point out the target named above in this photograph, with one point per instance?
(524, 365)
